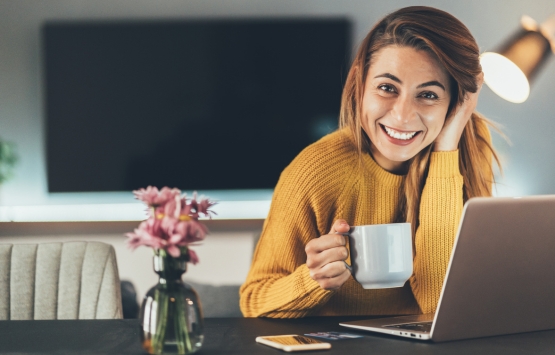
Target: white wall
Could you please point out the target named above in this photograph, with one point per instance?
(528, 125)
(529, 167)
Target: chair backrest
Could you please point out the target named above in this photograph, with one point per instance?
(72, 280)
(218, 301)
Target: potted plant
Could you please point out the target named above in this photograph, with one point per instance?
(171, 315)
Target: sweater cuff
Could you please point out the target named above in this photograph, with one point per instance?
(311, 289)
(444, 164)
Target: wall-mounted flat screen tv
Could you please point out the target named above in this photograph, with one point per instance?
(193, 104)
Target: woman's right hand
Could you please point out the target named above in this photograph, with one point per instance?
(325, 257)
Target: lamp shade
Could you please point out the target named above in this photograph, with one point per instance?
(509, 70)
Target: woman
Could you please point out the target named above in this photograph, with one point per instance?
(410, 148)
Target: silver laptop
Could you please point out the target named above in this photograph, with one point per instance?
(500, 279)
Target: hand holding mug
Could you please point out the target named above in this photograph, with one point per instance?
(325, 257)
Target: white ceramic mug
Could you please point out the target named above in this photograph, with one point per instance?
(381, 254)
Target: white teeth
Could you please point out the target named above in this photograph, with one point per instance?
(398, 135)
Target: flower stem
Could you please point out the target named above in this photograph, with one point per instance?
(161, 299)
(182, 329)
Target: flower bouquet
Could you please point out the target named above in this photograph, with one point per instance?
(172, 223)
(171, 315)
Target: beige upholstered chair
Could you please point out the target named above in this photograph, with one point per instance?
(75, 280)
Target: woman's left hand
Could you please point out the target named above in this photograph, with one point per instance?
(448, 138)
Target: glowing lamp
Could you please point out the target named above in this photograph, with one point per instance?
(509, 71)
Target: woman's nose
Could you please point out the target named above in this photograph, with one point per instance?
(403, 109)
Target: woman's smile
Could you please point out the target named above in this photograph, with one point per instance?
(400, 137)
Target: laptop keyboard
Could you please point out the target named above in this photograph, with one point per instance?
(419, 327)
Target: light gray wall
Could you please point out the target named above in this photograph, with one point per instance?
(529, 168)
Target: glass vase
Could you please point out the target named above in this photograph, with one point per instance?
(171, 314)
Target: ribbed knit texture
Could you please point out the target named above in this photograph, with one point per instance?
(71, 280)
(325, 182)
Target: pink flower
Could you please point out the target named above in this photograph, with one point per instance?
(203, 207)
(172, 223)
(174, 251)
(154, 198)
(172, 208)
(193, 257)
(195, 207)
(147, 234)
(183, 233)
(191, 231)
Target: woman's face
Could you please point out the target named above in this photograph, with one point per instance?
(405, 102)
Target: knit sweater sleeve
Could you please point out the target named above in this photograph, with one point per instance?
(441, 208)
(440, 211)
(279, 284)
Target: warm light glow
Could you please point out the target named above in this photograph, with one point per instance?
(504, 77)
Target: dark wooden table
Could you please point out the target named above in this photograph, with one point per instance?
(236, 336)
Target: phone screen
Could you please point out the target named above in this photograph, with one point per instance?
(292, 340)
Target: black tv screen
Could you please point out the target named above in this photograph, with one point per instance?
(193, 104)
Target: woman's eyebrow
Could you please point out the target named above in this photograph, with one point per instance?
(396, 79)
(389, 76)
(431, 83)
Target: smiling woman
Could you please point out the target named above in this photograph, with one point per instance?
(410, 148)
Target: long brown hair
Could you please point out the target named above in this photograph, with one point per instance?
(450, 42)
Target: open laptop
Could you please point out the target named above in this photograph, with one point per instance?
(500, 279)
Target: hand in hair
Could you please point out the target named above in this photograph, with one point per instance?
(448, 138)
(325, 257)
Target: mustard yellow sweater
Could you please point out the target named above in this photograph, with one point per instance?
(324, 183)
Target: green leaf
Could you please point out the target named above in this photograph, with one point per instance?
(8, 159)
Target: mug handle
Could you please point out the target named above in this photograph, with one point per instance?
(349, 267)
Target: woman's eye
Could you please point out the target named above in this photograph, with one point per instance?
(429, 95)
(387, 88)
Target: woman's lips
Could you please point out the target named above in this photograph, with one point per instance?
(402, 136)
